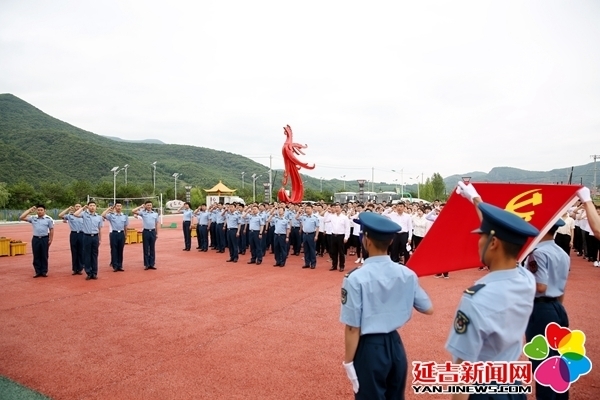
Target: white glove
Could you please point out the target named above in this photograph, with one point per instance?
(467, 191)
(584, 194)
(351, 372)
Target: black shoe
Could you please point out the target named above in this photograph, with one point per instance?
(258, 262)
(342, 269)
(153, 267)
(251, 262)
(198, 248)
(282, 265)
(94, 276)
(275, 265)
(37, 275)
(333, 269)
(87, 278)
(230, 260)
(313, 267)
(121, 270)
(74, 273)
(306, 266)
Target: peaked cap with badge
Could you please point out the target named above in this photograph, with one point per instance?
(505, 225)
(377, 227)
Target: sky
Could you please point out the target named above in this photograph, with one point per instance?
(415, 87)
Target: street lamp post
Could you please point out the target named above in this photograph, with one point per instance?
(243, 180)
(254, 178)
(321, 184)
(115, 171)
(176, 175)
(343, 176)
(154, 179)
(125, 168)
(402, 180)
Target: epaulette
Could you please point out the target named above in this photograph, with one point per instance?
(474, 289)
(348, 274)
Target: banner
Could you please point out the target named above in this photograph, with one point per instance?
(450, 246)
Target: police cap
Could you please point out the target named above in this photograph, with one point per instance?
(505, 225)
(377, 227)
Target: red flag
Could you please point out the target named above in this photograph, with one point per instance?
(450, 246)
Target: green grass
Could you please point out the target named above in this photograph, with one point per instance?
(10, 390)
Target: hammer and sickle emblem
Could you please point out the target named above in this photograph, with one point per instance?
(517, 203)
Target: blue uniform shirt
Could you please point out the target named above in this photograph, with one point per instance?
(219, 218)
(309, 223)
(187, 215)
(233, 220)
(149, 219)
(281, 224)
(118, 222)
(295, 221)
(255, 222)
(76, 224)
(552, 268)
(492, 317)
(91, 222)
(42, 225)
(379, 296)
(203, 217)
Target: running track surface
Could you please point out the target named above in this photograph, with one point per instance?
(201, 328)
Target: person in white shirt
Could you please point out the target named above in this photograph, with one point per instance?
(321, 243)
(419, 227)
(340, 233)
(356, 234)
(402, 238)
(565, 234)
(432, 216)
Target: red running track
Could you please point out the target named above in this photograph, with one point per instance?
(201, 328)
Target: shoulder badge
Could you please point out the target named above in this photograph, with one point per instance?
(348, 274)
(344, 296)
(474, 289)
(461, 322)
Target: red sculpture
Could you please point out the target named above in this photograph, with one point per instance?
(292, 166)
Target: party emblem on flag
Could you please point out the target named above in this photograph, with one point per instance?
(450, 246)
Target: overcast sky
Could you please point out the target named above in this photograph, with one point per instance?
(417, 86)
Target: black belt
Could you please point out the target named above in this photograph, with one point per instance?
(202, 224)
(280, 234)
(117, 231)
(308, 233)
(254, 230)
(338, 234)
(232, 229)
(149, 230)
(90, 234)
(545, 299)
(76, 231)
(40, 237)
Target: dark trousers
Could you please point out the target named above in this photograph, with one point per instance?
(381, 367)
(364, 252)
(592, 247)
(337, 251)
(563, 241)
(90, 254)
(202, 236)
(187, 234)
(398, 247)
(295, 240)
(328, 240)
(39, 247)
(310, 253)
(232, 243)
(577, 240)
(213, 235)
(321, 244)
(241, 240)
(584, 242)
(256, 250)
(270, 239)
(117, 244)
(416, 241)
(149, 242)
(280, 248)
(221, 238)
(544, 313)
(263, 242)
(76, 242)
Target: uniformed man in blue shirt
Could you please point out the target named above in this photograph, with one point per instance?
(281, 235)
(203, 218)
(92, 237)
(256, 225)
(43, 232)
(493, 314)
(220, 227)
(295, 236)
(377, 299)
(188, 213)
(242, 241)
(75, 238)
(309, 227)
(233, 222)
(118, 225)
(149, 233)
(549, 264)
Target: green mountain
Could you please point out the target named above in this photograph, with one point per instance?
(155, 141)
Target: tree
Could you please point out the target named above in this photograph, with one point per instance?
(427, 190)
(4, 195)
(197, 197)
(81, 190)
(53, 193)
(439, 187)
(22, 194)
